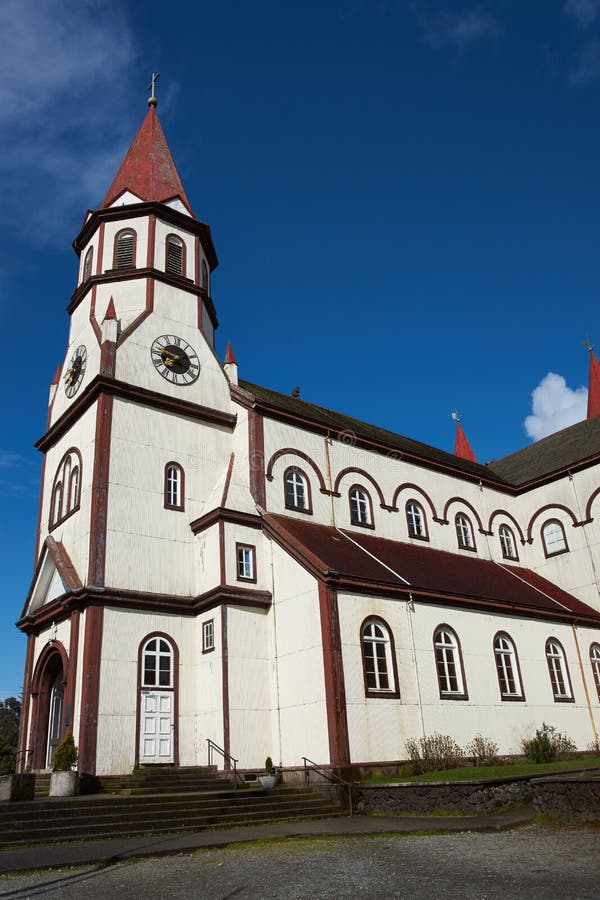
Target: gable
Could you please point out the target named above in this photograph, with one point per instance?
(54, 576)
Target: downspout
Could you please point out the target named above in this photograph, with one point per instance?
(585, 687)
(276, 657)
(329, 479)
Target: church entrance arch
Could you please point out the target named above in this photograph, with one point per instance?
(47, 692)
(157, 701)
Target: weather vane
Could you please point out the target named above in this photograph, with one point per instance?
(152, 101)
(455, 415)
(587, 344)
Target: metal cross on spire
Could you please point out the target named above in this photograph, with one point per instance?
(152, 101)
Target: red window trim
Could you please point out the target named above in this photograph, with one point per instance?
(308, 509)
(416, 537)
(564, 533)
(353, 521)
(166, 504)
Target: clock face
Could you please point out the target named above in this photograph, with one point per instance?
(75, 371)
(175, 359)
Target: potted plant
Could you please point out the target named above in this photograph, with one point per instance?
(269, 780)
(64, 779)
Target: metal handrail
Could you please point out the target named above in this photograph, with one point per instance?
(23, 755)
(329, 775)
(226, 756)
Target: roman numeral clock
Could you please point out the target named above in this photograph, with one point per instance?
(175, 359)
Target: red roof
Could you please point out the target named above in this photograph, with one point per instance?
(148, 170)
(370, 564)
(593, 408)
(229, 356)
(462, 446)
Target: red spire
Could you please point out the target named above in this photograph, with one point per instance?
(229, 356)
(110, 310)
(148, 170)
(462, 446)
(593, 408)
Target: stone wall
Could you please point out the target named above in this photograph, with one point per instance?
(473, 797)
(569, 799)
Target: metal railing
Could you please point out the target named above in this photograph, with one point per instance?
(226, 756)
(329, 776)
(22, 760)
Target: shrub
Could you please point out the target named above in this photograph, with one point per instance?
(547, 745)
(65, 755)
(269, 765)
(482, 750)
(434, 752)
(8, 757)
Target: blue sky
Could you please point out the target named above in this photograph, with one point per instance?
(403, 194)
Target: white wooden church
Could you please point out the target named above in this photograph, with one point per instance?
(216, 560)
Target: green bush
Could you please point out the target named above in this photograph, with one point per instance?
(547, 745)
(65, 755)
(434, 752)
(483, 751)
(8, 757)
(269, 765)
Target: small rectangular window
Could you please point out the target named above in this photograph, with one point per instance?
(208, 636)
(246, 562)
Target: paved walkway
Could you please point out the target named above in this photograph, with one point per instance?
(48, 856)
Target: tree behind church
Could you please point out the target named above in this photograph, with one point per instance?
(10, 713)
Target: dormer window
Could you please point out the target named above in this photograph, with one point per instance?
(175, 255)
(124, 253)
(87, 264)
(553, 537)
(416, 521)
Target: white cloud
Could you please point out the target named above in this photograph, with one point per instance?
(554, 406)
(458, 29)
(65, 95)
(584, 12)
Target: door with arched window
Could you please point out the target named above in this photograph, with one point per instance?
(157, 701)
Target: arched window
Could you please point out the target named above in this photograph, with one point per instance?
(416, 520)
(87, 264)
(595, 661)
(558, 669)
(507, 543)
(124, 251)
(361, 512)
(157, 663)
(448, 662)
(204, 276)
(66, 488)
(175, 255)
(297, 490)
(174, 486)
(553, 537)
(379, 658)
(464, 532)
(507, 668)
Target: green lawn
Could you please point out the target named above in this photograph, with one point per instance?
(505, 770)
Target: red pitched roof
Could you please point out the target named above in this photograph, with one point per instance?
(229, 356)
(593, 408)
(462, 446)
(148, 170)
(369, 564)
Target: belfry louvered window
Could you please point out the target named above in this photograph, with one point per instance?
(125, 250)
(87, 264)
(174, 255)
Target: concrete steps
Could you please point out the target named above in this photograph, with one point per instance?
(112, 814)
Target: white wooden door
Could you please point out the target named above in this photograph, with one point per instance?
(156, 727)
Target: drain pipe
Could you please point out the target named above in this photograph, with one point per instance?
(585, 687)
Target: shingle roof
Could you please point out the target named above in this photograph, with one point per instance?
(374, 565)
(556, 452)
(339, 422)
